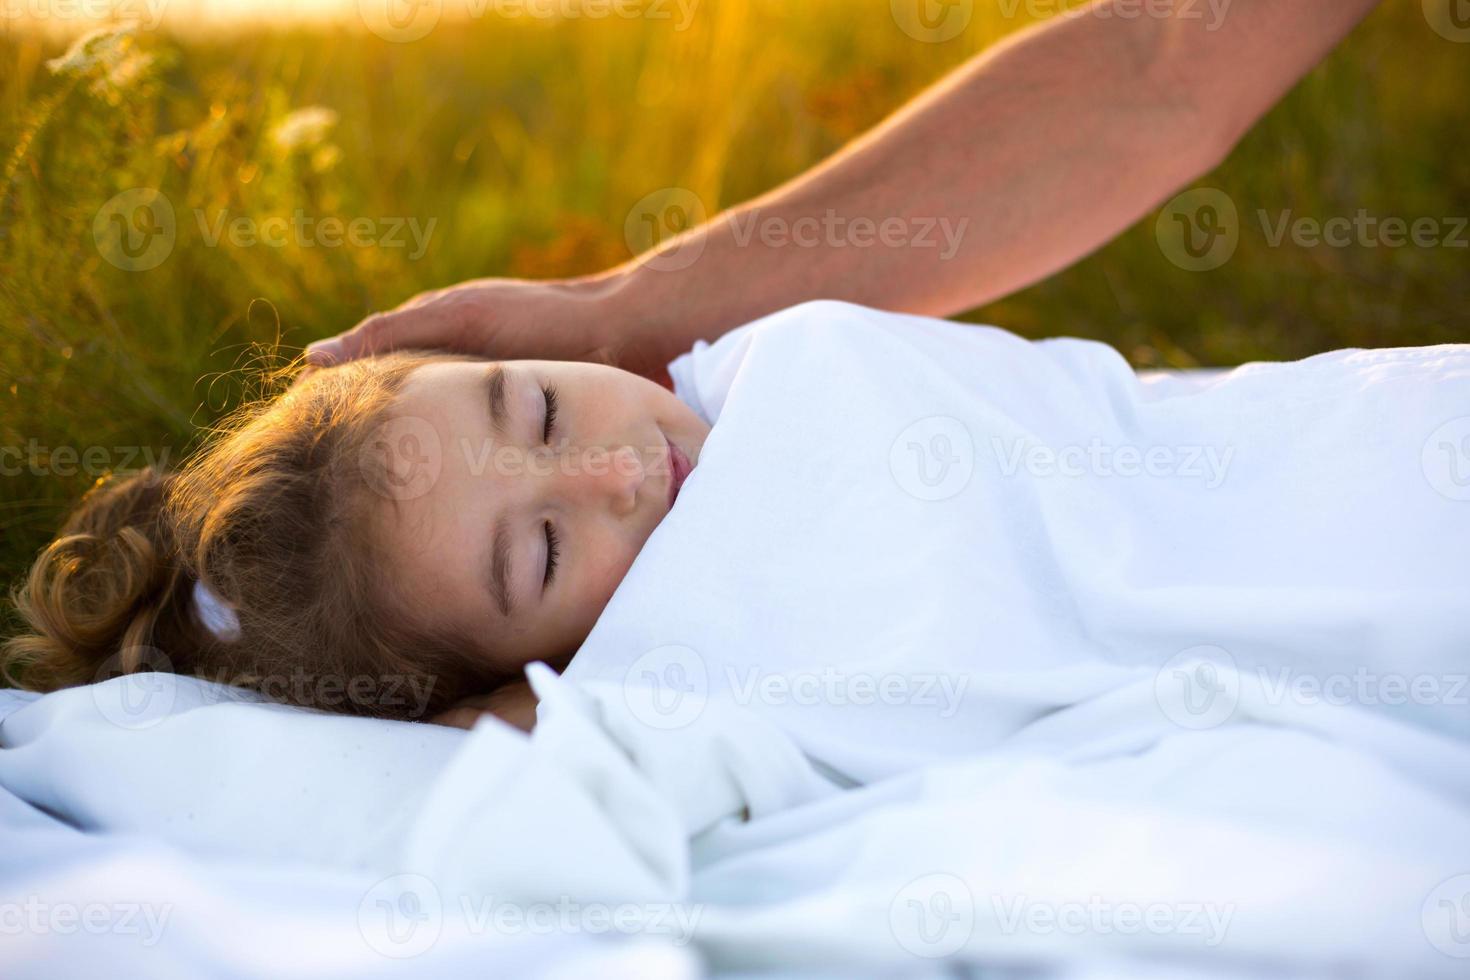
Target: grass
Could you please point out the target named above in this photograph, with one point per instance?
(526, 142)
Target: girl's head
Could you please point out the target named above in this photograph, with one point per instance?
(391, 535)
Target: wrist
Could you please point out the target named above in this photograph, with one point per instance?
(625, 311)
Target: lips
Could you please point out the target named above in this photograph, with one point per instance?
(679, 467)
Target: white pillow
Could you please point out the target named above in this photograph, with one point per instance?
(595, 803)
(220, 770)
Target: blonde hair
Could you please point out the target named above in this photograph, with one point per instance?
(276, 516)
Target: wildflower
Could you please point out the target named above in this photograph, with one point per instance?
(304, 128)
(111, 54)
(105, 47)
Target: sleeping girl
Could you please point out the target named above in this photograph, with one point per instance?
(904, 537)
(386, 537)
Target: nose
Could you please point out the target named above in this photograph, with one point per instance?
(609, 478)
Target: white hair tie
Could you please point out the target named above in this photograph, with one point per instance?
(215, 614)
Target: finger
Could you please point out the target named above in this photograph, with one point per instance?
(373, 335)
(432, 325)
(325, 352)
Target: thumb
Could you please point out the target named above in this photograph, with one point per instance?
(324, 353)
(371, 336)
(442, 325)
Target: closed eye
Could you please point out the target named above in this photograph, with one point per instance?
(553, 552)
(548, 393)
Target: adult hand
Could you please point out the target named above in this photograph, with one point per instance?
(970, 196)
(569, 320)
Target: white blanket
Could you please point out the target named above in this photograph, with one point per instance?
(1246, 850)
(907, 539)
(1061, 694)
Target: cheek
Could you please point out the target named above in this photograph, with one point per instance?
(608, 563)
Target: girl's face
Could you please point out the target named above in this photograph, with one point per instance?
(521, 492)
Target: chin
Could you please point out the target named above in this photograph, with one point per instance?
(559, 662)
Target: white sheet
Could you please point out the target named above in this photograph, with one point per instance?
(1090, 806)
(123, 905)
(1248, 849)
(230, 837)
(1302, 522)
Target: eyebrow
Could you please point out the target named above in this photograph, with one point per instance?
(499, 578)
(497, 383)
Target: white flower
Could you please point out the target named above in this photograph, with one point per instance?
(110, 52)
(106, 46)
(304, 127)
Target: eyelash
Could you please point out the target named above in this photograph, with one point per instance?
(549, 393)
(553, 548)
(553, 551)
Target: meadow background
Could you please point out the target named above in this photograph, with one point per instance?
(527, 140)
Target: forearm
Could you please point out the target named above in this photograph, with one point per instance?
(1024, 160)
